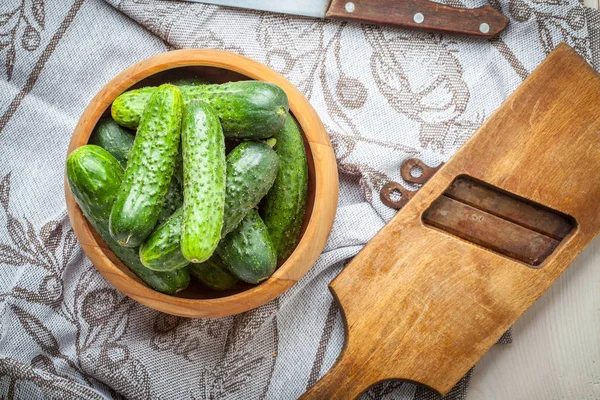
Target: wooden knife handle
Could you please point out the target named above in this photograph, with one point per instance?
(421, 14)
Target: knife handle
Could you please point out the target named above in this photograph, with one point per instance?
(484, 22)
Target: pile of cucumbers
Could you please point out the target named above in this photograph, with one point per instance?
(169, 201)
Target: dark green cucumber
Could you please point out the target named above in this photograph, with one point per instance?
(173, 201)
(214, 274)
(149, 169)
(127, 109)
(118, 142)
(94, 177)
(113, 138)
(161, 251)
(247, 109)
(283, 207)
(203, 146)
(248, 252)
(251, 170)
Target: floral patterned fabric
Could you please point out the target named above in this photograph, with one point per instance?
(384, 94)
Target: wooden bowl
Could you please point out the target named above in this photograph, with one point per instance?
(198, 301)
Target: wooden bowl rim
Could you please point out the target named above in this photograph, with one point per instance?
(325, 180)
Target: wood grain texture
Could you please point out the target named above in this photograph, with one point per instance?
(431, 304)
(437, 17)
(216, 66)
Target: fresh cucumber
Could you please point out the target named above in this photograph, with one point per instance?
(203, 146)
(213, 274)
(283, 207)
(118, 142)
(248, 252)
(173, 201)
(251, 170)
(161, 251)
(113, 138)
(247, 109)
(94, 177)
(127, 109)
(149, 169)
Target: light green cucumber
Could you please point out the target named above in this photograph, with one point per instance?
(94, 177)
(127, 109)
(203, 146)
(149, 169)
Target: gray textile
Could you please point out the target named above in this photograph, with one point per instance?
(384, 94)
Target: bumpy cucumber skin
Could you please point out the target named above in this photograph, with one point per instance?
(247, 109)
(127, 109)
(161, 251)
(118, 142)
(248, 252)
(173, 201)
(251, 170)
(203, 146)
(149, 169)
(283, 207)
(214, 274)
(94, 177)
(113, 138)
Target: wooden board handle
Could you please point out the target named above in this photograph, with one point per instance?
(484, 22)
(340, 382)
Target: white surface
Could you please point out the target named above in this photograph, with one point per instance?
(555, 352)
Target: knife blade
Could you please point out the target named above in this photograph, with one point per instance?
(485, 22)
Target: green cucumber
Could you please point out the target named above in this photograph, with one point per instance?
(118, 142)
(247, 109)
(248, 252)
(149, 169)
(161, 251)
(214, 274)
(113, 138)
(173, 201)
(94, 177)
(203, 146)
(127, 109)
(283, 207)
(251, 170)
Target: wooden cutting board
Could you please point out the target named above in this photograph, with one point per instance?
(479, 243)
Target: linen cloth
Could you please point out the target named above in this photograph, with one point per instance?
(384, 94)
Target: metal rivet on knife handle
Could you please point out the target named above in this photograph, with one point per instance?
(484, 28)
(419, 18)
(349, 7)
